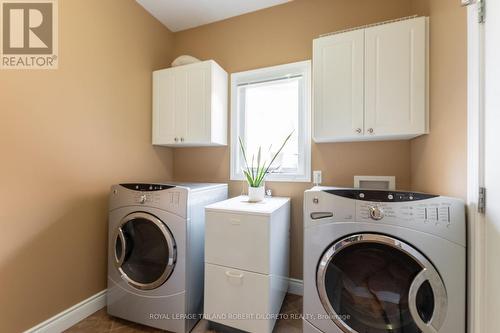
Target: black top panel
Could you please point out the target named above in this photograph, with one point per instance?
(380, 196)
(146, 187)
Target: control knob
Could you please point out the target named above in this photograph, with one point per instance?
(376, 213)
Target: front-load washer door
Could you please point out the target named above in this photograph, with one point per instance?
(370, 283)
(145, 251)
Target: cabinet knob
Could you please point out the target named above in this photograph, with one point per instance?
(370, 130)
(176, 139)
(358, 130)
(182, 139)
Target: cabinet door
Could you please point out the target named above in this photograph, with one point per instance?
(181, 96)
(164, 107)
(197, 115)
(338, 86)
(396, 79)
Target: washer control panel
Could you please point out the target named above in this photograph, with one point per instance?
(437, 212)
(438, 215)
(380, 196)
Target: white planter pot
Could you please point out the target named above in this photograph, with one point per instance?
(256, 194)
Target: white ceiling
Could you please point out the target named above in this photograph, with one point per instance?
(179, 15)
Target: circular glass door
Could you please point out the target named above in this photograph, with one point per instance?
(145, 251)
(372, 283)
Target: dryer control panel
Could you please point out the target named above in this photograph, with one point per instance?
(166, 197)
(146, 187)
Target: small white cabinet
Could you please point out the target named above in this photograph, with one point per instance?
(372, 83)
(190, 105)
(246, 262)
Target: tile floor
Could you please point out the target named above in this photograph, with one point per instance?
(101, 322)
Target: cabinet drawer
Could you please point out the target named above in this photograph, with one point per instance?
(237, 298)
(237, 240)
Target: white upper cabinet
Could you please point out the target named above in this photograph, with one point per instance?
(395, 79)
(338, 86)
(372, 84)
(190, 105)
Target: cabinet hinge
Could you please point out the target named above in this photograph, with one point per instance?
(481, 202)
(481, 8)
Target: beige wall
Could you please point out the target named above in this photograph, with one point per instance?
(280, 35)
(439, 160)
(65, 136)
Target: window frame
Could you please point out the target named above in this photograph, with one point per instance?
(301, 68)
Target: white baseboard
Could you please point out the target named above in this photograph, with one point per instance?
(69, 317)
(295, 286)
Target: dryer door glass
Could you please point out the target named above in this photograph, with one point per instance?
(367, 284)
(147, 251)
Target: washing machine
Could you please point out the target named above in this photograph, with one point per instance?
(383, 261)
(156, 252)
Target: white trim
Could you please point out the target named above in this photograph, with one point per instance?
(73, 315)
(475, 170)
(69, 317)
(302, 68)
(295, 286)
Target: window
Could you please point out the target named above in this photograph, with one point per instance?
(267, 105)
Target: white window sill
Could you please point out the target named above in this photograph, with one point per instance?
(275, 178)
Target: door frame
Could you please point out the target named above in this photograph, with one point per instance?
(475, 169)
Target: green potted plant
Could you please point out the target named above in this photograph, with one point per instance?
(256, 174)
